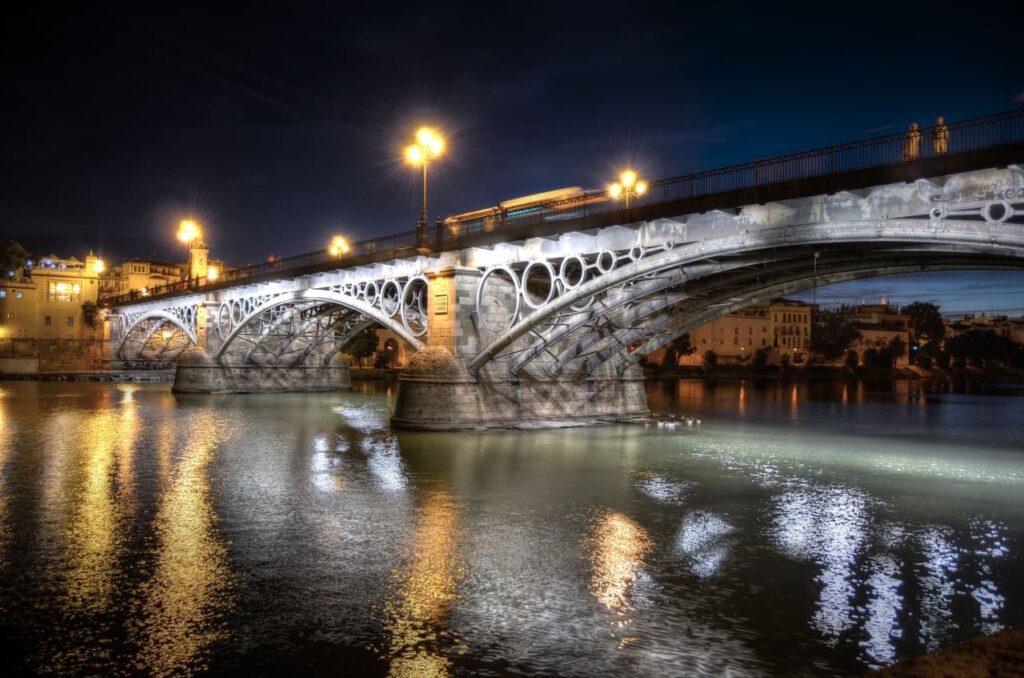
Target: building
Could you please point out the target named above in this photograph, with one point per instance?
(879, 325)
(46, 301)
(142, 276)
(138, 275)
(781, 326)
(1010, 328)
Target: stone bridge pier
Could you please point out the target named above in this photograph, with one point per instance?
(440, 389)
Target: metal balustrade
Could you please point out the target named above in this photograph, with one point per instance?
(880, 152)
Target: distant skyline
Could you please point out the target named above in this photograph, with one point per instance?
(279, 127)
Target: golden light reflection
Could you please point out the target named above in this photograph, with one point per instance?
(184, 602)
(617, 556)
(105, 501)
(421, 597)
(6, 434)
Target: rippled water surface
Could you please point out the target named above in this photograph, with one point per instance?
(797, 529)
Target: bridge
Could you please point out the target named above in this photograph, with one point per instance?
(545, 315)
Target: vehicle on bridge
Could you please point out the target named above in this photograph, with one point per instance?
(552, 205)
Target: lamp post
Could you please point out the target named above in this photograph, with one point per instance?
(429, 145)
(188, 232)
(628, 187)
(338, 247)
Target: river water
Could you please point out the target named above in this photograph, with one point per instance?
(797, 529)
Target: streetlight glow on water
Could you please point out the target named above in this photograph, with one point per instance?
(812, 528)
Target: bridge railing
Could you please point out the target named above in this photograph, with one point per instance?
(889, 150)
(893, 149)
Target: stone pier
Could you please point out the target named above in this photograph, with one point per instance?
(196, 373)
(438, 392)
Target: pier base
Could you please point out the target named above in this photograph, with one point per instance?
(435, 393)
(250, 379)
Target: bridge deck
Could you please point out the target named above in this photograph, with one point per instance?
(994, 141)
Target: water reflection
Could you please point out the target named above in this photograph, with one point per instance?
(703, 538)
(828, 526)
(423, 592)
(939, 565)
(183, 604)
(990, 540)
(7, 433)
(102, 505)
(618, 548)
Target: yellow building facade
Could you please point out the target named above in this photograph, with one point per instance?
(47, 304)
(781, 326)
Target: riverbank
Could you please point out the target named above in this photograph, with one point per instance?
(1001, 654)
(728, 372)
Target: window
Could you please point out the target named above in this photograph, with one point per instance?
(62, 291)
(48, 320)
(3, 293)
(71, 321)
(10, 316)
(19, 295)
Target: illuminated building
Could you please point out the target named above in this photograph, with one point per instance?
(781, 326)
(47, 302)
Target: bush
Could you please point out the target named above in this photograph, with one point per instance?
(924, 362)
(710, 359)
(852, 359)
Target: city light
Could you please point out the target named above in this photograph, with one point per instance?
(628, 187)
(98, 266)
(338, 246)
(188, 231)
(212, 273)
(429, 145)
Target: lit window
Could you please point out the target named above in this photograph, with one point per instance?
(19, 295)
(3, 293)
(61, 291)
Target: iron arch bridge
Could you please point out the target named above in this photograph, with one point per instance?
(588, 304)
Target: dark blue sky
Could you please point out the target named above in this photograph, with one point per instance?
(278, 127)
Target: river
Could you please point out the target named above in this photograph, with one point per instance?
(763, 529)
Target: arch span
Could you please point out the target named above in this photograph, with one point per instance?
(261, 327)
(759, 248)
(146, 325)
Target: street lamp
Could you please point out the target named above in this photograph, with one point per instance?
(627, 187)
(188, 232)
(338, 246)
(429, 145)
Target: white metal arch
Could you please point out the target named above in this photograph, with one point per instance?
(323, 296)
(151, 315)
(978, 236)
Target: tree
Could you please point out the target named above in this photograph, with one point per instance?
(682, 344)
(784, 362)
(897, 349)
(870, 359)
(90, 312)
(927, 320)
(760, 358)
(362, 345)
(12, 259)
(831, 334)
(710, 359)
(852, 359)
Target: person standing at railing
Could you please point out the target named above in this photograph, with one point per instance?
(912, 145)
(940, 137)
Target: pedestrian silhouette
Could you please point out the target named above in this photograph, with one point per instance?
(940, 137)
(912, 146)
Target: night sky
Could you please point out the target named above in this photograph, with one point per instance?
(276, 128)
